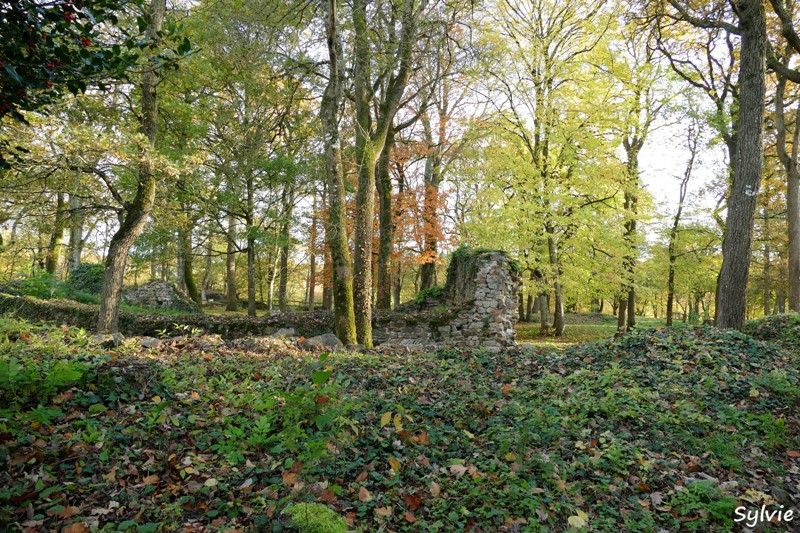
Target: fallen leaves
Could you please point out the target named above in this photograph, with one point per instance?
(455, 427)
(364, 495)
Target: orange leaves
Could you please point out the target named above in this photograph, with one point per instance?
(77, 527)
(321, 400)
(289, 478)
(412, 501)
(420, 437)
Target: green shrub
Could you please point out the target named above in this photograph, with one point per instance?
(432, 292)
(41, 285)
(316, 518)
(87, 278)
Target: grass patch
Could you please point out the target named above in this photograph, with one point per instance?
(660, 429)
(580, 328)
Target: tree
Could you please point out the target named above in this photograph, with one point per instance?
(51, 48)
(336, 228)
(747, 156)
(371, 133)
(138, 209)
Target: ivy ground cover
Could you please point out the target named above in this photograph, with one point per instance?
(659, 430)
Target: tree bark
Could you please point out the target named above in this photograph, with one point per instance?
(558, 302)
(187, 263)
(789, 162)
(76, 240)
(207, 274)
(56, 235)
(137, 211)
(737, 243)
(386, 215)
(285, 248)
(230, 267)
(336, 228)
(312, 257)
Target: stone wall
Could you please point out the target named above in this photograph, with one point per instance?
(161, 295)
(477, 307)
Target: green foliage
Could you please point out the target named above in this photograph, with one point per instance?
(704, 500)
(41, 285)
(423, 442)
(431, 292)
(300, 421)
(784, 328)
(87, 278)
(315, 518)
(28, 375)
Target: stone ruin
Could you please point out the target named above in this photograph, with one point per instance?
(161, 295)
(477, 307)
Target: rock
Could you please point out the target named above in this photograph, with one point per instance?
(161, 295)
(149, 342)
(107, 341)
(326, 342)
(780, 495)
(284, 332)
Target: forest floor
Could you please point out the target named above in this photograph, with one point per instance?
(667, 429)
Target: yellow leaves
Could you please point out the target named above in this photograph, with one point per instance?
(394, 464)
(435, 489)
(397, 420)
(156, 399)
(468, 434)
(211, 482)
(578, 520)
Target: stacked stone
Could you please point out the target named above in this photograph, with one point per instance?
(163, 295)
(482, 298)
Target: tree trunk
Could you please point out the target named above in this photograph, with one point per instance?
(789, 162)
(312, 257)
(342, 283)
(230, 267)
(767, 280)
(621, 318)
(137, 211)
(385, 247)
(180, 271)
(75, 233)
(558, 303)
(543, 327)
(780, 291)
(736, 245)
(397, 283)
(207, 274)
(186, 264)
(56, 236)
(251, 274)
(285, 240)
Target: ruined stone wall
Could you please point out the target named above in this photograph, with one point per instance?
(477, 307)
(161, 295)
